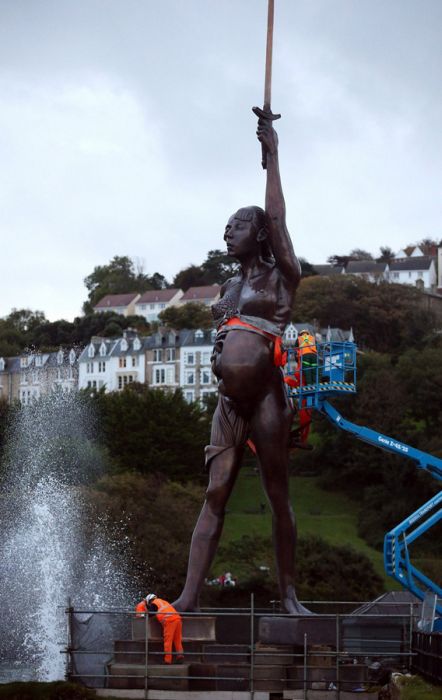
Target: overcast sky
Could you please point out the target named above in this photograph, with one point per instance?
(126, 129)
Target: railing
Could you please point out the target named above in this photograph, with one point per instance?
(427, 655)
(358, 640)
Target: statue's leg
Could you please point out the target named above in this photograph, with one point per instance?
(270, 428)
(223, 457)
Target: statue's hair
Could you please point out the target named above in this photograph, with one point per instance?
(259, 219)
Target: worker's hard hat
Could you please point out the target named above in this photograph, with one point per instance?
(150, 597)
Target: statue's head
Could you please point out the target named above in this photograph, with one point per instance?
(246, 232)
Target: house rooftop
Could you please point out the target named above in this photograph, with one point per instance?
(154, 295)
(210, 291)
(423, 262)
(328, 270)
(111, 301)
(365, 266)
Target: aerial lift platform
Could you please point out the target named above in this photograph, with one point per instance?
(335, 375)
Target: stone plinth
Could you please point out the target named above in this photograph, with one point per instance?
(288, 629)
(197, 627)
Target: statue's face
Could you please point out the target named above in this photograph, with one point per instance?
(240, 237)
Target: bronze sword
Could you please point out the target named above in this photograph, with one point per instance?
(266, 111)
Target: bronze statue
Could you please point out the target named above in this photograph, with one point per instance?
(254, 308)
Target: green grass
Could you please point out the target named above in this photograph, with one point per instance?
(331, 516)
(415, 688)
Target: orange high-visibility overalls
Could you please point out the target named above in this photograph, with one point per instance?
(172, 626)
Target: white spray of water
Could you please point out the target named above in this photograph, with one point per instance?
(50, 552)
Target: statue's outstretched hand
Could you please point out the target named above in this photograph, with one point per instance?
(267, 135)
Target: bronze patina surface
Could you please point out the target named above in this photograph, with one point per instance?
(252, 401)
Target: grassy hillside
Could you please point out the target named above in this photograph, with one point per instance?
(329, 515)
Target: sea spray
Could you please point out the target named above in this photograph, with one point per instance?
(51, 550)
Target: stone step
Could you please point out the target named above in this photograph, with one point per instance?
(226, 653)
(164, 676)
(134, 651)
(350, 676)
(270, 678)
(278, 654)
(195, 627)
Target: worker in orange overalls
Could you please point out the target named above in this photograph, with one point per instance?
(170, 621)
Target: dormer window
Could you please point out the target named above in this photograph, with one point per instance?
(72, 357)
(23, 362)
(199, 335)
(91, 351)
(137, 344)
(2, 364)
(103, 349)
(60, 357)
(38, 360)
(124, 345)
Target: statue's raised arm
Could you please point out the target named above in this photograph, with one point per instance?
(279, 238)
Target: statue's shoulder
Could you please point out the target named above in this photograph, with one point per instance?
(231, 283)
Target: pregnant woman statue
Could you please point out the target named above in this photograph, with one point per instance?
(254, 308)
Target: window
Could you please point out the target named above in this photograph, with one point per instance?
(199, 335)
(39, 359)
(2, 364)
(189, 396)
(90, 367)
(420, 274)
(91, 351)
(205, 358)
(124, 344)
(151, 306)
(213, 335)
(205, 376)
(134, 361)
(190, 358)
(143, 307)
(190, 377)
(170, 373)
(162, 306)
(102, 366)
(160, 376)
(72, 357)
(170, 354)
(157, 355)
(23, 362)
(395, 275)
(137, 344)
(122, 362)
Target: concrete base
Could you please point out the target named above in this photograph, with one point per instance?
(164, 676)
(201, 628)
(184, 695)
(327, 695)
(291, 630)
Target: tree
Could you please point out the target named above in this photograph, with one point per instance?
(386, 317)
(190, 315)
(216, 269)
(150, 431)
(386, 254)
(307, 269)
(153, 510)
(122, 275)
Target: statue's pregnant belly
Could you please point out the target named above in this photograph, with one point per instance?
(244, 364)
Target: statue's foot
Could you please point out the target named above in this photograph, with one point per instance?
(291, 604)
(185, 604)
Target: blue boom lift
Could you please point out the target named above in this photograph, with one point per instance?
(335, 375)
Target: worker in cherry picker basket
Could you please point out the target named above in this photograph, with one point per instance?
(170, 621)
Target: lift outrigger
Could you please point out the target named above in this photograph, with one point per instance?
(335, 375)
